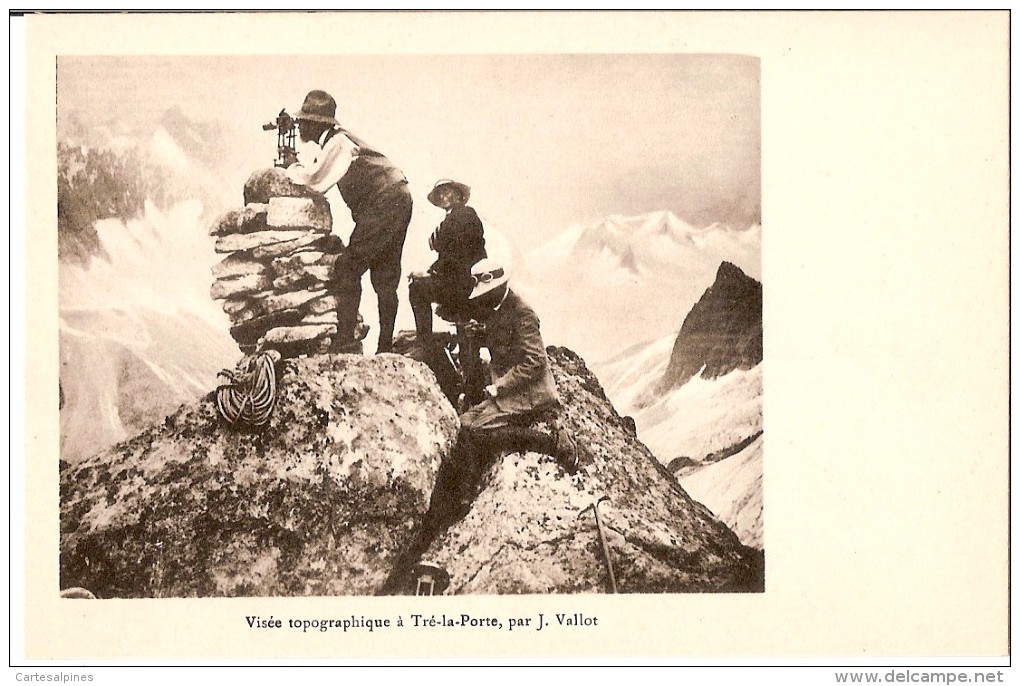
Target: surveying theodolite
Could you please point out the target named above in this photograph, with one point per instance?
(286, 138)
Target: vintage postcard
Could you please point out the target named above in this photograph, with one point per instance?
(586, 335)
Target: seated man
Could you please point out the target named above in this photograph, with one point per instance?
(522, 387)
(460, 243)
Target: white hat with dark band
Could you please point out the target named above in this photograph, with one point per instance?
(488, 274)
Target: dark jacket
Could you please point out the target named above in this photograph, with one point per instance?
(460, 242)
(519, 367)
(371, 178)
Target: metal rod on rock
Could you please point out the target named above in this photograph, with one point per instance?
(602, 539)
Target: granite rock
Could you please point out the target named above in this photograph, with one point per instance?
(318, 503)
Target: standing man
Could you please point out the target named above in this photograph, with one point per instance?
(380, 204)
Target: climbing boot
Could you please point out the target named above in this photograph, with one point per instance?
(566, 452)
(349, 346)
(418, 352)
(423, 347)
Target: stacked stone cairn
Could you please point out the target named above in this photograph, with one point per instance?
(279, 254)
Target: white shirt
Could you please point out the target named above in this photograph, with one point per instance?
(321, 167)
(502, 300)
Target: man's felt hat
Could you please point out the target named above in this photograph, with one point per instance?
(487, 274)
(318, 106)
(464, 191)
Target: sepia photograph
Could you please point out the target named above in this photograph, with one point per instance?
(463, 324)
(440, 336)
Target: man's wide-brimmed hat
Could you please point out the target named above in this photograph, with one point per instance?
(464, 191)
(487, 274)
(318, 106)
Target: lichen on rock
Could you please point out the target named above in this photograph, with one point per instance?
(273, 182)
(319, 503)
(531, 529)
(338, 495)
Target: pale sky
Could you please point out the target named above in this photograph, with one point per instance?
(543, 140)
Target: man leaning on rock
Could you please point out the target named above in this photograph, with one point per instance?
(522, 391)
(380, 204)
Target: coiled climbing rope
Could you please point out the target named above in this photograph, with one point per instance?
(249, 394)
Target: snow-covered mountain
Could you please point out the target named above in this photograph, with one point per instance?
(139, 333)
(708, 431)
(700, 418)
(603, 287)
(704, 422)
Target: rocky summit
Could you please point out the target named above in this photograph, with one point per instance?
(722, 332)
(338, 496)
(532, 528)
(318, 503)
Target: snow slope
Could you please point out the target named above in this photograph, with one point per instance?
(733, 490)
(704, 418)
(121, 372)
(630, 377)
(139, 333)
(603, 287)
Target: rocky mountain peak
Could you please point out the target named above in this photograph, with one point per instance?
(317, 503)
(337, 496)
(532, 529)
(722, 332)
(730, 275)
